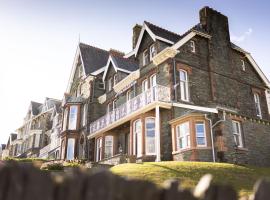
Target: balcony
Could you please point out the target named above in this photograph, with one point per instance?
(158, 95)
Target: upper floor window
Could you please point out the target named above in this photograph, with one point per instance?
(268, 99)
(108, 107)
(237, 134)
(153, 51)
(101, 85)
(144, 85)
(114, 104)
(108, 146)
(257, 105)
(114, 80)
(128, 95)
(72, 123)
(153, 80)
(192, 46)
(110, 84)
(243, 65)
(200, 133)
(150, 136)
(145, 57)
(183, 136)
(184, 88)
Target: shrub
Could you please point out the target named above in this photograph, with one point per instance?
(54, 167)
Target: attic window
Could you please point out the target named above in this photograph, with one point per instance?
(192, 46)
(243, 65)
(145, 57)
(153, 51)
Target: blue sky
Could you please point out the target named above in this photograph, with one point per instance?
(39, 38)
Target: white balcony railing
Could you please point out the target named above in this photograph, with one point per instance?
(157, 93)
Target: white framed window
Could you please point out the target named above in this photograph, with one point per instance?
(145, 57)
(183, 136)
(243, 65)
(37, 137)
(108, 146)
(237, 134)
(137, 138)
(84, 114)
(267, 94)
(65, 119)
(72, 123)
(110, 84)
(114, 104)
(192, 46)
(257, 105)
(153, 80)
(153, 51)
(70, 149)
(114, 80)
(144, 85)
(128, 95)
(184, 88)
(150, 137)
(99, 149)
(200, 133)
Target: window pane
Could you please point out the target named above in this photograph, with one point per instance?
(183, 76)
(108, 146)
(72, 118)
(70, 149)
(183, 137)
(150, 136)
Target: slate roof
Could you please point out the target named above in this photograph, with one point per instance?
(35, 107)
(125, 63)
(93, 57)
(161, 32)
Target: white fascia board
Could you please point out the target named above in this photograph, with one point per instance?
(164, 40)
(258, 69)
(184, 40)
(124, 70)
(78, 53)
(129, 54)
(199, 108)
(110, 60)
(98, 71)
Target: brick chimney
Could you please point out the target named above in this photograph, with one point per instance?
(136, 32)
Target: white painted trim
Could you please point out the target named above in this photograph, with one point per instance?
(98, 71)
(164, 40)
(129, 54)
(110, 60)
(258, 69)
(199, 108)
(183, 40)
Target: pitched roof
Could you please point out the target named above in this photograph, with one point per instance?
(161, 32)
(93, 58)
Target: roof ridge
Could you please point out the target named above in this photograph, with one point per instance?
(97, 48)
(163, 28)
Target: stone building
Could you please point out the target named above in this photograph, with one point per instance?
(189, 97)
(40, 123)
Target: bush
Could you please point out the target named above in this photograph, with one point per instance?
(54, 167)
(25, 159)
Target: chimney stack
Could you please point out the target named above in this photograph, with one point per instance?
(136, 32)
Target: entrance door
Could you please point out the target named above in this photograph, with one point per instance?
(137, 138)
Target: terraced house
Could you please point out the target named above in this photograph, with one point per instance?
(190, 97)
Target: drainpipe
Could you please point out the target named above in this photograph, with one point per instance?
(211, 132)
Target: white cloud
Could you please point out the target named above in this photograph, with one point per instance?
(242, 37)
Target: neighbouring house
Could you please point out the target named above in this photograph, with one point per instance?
(10, 148)
(2, 148)
(189, 97)
(41, 122)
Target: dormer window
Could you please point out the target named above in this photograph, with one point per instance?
(145, 57)
(192, 46)
(243, 65)
(153, 51)
(110, 84)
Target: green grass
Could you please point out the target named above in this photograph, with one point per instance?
(189, 173)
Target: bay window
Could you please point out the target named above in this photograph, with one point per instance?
(73, 111)
(108, 146)
(65, 119)
(257, 105)
(237, 134)
(84, 114)
(150, 136)
(183, 136)
(200, 133)
(184, 88)
(70, 149)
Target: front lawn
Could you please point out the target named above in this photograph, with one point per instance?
(240, 177)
